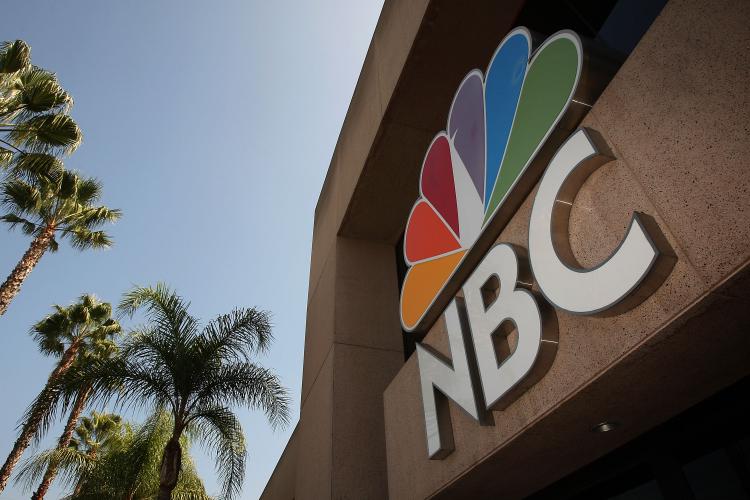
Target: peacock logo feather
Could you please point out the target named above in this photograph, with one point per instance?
(496, 125)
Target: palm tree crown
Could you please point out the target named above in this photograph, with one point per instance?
(86, 325)
(49, 202)
(198, 374)
(33, 108)
(60, 202)
(95, 432)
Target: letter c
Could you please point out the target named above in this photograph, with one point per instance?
(561, 279)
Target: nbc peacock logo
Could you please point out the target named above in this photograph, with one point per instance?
(496, 125)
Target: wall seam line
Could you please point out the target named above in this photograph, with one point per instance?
(367, 347)
(315, 379)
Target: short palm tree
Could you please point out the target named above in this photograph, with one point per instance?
(100, 432)
(94, 435)
(130, 469)
(198, 375)
(96, 432)
(102, 348)
(33, 108)
(46, 202)
(109, 459)
(66, 333)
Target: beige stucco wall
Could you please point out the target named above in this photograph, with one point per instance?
(676, 119)
(282, 482)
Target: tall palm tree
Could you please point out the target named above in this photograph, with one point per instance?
(48, 202)
(101, 349)
(35, 129)
(198, 375)
(33, 108)
(66, 333)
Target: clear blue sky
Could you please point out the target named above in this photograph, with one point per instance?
(211, 125)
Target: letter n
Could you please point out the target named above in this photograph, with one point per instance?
(456, 379)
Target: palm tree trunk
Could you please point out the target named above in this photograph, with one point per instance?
(63, 443)
(12, 285)
(78, 488)
(171, 463)
(38, 411)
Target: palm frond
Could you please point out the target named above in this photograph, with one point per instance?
(239, 333)
(30, 166)
(6, 157)
(20, 196)
(196, 374)
(130, 384)
(246, 384)
(38, 91)
(89, 191)
(86, 325)
(88, 319)
(14, 56)
(47, 132)
(93, 217)
(164, 307)
(44, 194)
(222, 432)
(67, 185)
(82, 238)
(51, 332)
(14, 220)
(71, 464)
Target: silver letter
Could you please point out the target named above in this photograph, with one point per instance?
(455, 383)
(493, 314)
(561, 279)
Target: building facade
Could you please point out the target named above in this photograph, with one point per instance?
(643, 397)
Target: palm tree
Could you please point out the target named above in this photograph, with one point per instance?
(101, 349)
(47, 201)
(130, 470)
(96, 432)
(198, 375)
(94, 435)
(110, 459)
(39, 195)
(100, 431)
(66, 333)
(33, 108)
